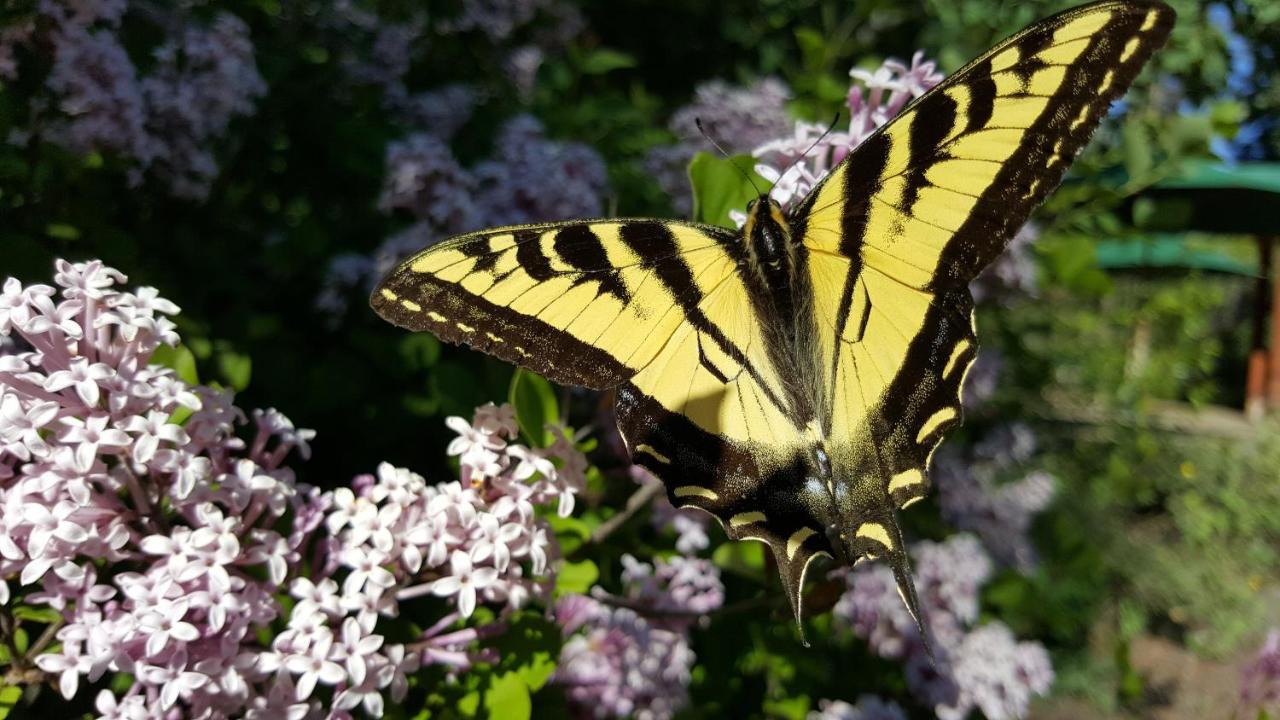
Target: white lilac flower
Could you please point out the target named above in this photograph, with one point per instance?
(739, 118)
(464, 581)
(618, 664)
(868, 707)
(1260, 680)
(983, 667)
(795, 164)
(1000, 513)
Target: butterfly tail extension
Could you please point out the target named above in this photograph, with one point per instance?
(900, 563)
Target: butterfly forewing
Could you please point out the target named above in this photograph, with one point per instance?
(899, 229)
(587, 303)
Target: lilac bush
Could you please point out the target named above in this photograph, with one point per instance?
(973, 498)
(164, 123)
(868, 707)
(165, 544)
(982, 667)
(530, 178)
(739, 118)
(1260, 682)
(795, 163)
(630, 656)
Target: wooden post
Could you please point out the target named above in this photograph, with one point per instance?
(1273, 353)
(1255, 398)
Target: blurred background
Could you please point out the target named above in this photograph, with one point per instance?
(1111, 502)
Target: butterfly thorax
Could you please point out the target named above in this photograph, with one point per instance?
(776, 270)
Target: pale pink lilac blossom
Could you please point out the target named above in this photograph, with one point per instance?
(795, 164)
(978, 667)
(166, 545)
(738, 118)
(868, 707)
(529, 178)
(988, 490)
(636, 661)
(690, 526)
(1260, 681)
(164, 123)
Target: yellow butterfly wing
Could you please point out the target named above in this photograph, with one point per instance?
(899, 229)
(656, 309)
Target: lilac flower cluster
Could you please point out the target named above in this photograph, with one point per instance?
(1013, 273)
(164, 123)
(159, 541)
(1260, 682)
(797, 163)
(690, 526)
(530, 179)
(165, 541)
(999, 513)
(632, 657)
(499, 19)
(868, 707)
(984, 667)
(739, 118)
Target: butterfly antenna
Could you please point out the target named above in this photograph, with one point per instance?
(805, 154)
(716, 145)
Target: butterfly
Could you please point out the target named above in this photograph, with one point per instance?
(793, 378)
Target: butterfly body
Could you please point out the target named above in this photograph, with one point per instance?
(794, 377)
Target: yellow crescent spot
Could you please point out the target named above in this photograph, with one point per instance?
(906, 479)
(746, 518)
(1106, 81)
(797, 539)
(521, 351)
(1084, 115)
(1130, 48)
(876, 532)
(912, 501)
(493, 337)
(648, 450)
(436, 316)
(687, 490)
(1150, 22)
(465, 327)
(389, 295)
(959, 350)
(943, 415)
(411, 305)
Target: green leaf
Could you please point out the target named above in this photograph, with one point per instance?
(235, 368)
(743, 558)
(604, 60)
(508, 698)
(62, 231)
(576, 577)
(419, 350)
(46, 615)
(570, 531)
(529, 649)
(796, 708)
(719, 187)
(180, 360)
(9, 697)
(536, 408)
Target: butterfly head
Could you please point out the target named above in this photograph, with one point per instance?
(767, 232)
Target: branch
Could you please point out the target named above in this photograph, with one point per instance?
(638, 500)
